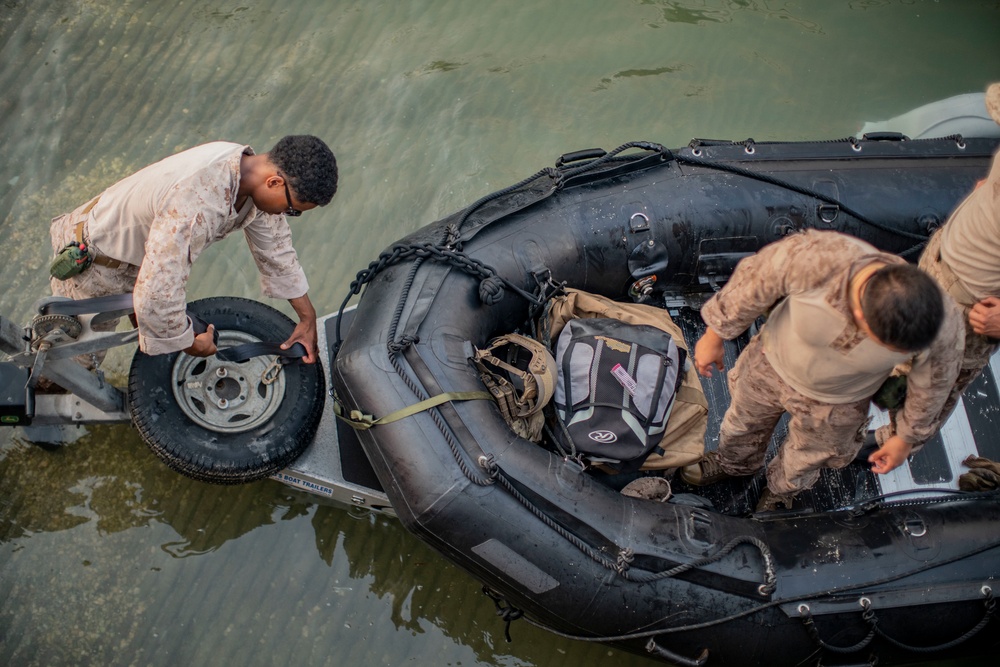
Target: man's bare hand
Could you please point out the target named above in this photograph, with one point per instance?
(890, 455)
(204, 344)
(985, 317)
(305, 331)
(709, 350)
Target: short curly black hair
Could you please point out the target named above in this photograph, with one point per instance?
(903, 307)
(310, 166)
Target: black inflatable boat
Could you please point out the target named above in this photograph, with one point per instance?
(900, 568)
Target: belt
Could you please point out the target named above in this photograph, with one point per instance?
(97, 259)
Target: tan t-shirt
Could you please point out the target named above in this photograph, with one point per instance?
(970, 242)
(797, 341)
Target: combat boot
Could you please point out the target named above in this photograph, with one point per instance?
(771, 502)
(706, 471)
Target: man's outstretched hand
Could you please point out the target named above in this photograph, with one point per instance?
(709, 350)
(305, 331)
(890, 455)
(984, 318)
(204, 343)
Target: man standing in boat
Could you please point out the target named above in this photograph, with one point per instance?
(962, 257)
(842, 316)
(143, 234)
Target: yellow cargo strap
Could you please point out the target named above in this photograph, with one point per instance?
(362, 422)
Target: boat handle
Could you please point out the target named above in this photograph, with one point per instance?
(653, 647)
(576, 156)
(885, 136)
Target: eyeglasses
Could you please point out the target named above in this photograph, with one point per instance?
(291, 210)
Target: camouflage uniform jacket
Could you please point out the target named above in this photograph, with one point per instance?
(162, 217)
(826, 261)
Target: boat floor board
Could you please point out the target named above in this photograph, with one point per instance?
(982, 403)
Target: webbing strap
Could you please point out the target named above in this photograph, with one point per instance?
(117, 305)
(691, 395)
(503, 391)
(97, 304)
(486, 356)
(95, 258)
(91, 205)
(359, 421)
(241, 353)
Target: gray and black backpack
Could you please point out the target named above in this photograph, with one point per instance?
(615, 389)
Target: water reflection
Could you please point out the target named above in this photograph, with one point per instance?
(696, 13)
(676, 12)
(110, 478)
(425, 592)
(149, 554)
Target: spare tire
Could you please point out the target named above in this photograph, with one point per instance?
(221, 421)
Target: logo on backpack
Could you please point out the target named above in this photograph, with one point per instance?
(606, 437)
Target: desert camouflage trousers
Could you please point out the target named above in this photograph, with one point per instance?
(820, 435)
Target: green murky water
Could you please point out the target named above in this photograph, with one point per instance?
(107, 557)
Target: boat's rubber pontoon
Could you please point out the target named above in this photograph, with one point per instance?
(901, 567)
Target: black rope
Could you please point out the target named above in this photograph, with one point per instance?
(489, 464)
(565, 436)
(656, 649)
(954, 495)
(558, 177)
(558, 444)
(506, 611)
(809, 192)
(650, 146)
(695, 143)
(855, 143)
(645, 634)
(622, 562)
(394, 347)
(810, 625)
(770, 582)
(551, 172)
(989, 603)
(491, 287)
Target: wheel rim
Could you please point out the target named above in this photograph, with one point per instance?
(226, 396)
